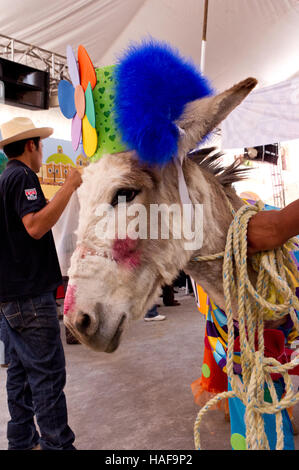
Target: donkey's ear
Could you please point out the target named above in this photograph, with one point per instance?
(202, 116)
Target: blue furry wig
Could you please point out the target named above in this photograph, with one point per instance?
(153, 84)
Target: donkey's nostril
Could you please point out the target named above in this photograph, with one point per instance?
(88, 324)
(83, 322)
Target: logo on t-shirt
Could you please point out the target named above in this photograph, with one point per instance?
(31, 194)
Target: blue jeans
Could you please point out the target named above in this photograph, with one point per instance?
(36, 375)
(152, 312)
(4, 338)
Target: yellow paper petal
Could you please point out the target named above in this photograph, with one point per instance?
(89, 137)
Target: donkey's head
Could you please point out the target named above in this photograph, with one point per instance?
(123, 254)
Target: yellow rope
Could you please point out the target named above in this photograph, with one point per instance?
(276, 273)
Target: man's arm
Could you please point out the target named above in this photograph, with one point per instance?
(270, 229)
(39, 223)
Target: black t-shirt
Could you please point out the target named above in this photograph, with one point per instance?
(28, 267)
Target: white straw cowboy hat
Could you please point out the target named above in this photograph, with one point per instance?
(21, 128)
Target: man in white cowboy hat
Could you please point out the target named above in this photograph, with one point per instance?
(29, 276)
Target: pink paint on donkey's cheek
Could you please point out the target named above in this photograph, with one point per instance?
(125, 252)
(69, 301)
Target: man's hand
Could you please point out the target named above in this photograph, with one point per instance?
(74, 179)
(263, 232)
(271, 229)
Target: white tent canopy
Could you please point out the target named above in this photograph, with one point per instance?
(257, 38)
(266, 116)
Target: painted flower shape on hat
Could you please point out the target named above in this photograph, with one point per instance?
(76, 100)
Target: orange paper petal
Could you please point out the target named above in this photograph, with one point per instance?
(86, 69)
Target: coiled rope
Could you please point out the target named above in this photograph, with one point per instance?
(276, 269)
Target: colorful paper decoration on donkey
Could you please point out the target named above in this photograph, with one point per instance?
(109, 138)
(76, 100)
(133, 105)
(153, 85)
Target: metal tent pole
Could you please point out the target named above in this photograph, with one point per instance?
(204, 36)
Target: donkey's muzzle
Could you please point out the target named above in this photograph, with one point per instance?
(86, 324)
(92, 330)
(114, 342)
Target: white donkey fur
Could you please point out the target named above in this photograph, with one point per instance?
(103, 293)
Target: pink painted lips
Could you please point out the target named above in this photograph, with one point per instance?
(125, 253)
(69, 300)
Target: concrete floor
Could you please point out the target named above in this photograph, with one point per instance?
(140, 397)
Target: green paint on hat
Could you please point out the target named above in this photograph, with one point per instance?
(109, 139)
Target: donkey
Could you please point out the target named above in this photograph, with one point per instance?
(113, 280)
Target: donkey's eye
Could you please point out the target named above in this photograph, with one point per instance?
(125, 193)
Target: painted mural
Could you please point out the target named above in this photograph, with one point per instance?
(58, 158)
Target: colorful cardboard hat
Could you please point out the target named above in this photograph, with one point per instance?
(133, 104)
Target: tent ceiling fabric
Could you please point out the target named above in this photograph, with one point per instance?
(267, 115)
(244, 37)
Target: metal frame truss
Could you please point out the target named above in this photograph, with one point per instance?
(277, 182)
(36, 57)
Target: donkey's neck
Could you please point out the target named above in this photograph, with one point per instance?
(206, 190)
